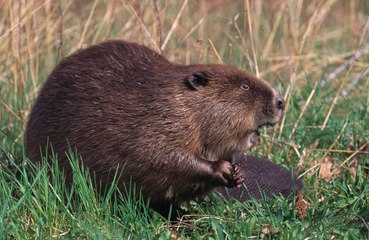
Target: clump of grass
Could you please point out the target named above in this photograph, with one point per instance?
(37, 202)
(316, 52)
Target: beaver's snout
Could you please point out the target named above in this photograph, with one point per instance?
(279, 101)
(272, 113)
(279, 106)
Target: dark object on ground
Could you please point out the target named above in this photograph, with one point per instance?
(262, 178)
(172, 128)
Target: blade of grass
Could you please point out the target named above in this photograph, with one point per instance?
(336, 98)
(353, 154)
(252, 38)
(304, 108)
(153, 43)
(174, 25)
(87, 24)
(215, 51)
(271, 37)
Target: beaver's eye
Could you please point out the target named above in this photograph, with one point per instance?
(245, 87)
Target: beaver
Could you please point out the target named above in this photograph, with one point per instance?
(172, 128)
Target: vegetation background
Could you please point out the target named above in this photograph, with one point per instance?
(315, 52)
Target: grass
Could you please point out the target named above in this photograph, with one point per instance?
(316, 52)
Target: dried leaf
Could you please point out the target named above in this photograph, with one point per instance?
(353, 171)
(270, 229)
(325, 171)
(301, 206)
(353, 167)
(336, 171)
(266, 231)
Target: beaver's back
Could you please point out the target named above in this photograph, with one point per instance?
(107, 101)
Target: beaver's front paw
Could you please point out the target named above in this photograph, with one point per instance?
(223, 172)
(238, 175)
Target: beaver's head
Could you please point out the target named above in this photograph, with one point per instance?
(229, 104)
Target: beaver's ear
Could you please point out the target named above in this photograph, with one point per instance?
(196, 80)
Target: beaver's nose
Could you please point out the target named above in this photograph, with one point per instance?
(280, 103)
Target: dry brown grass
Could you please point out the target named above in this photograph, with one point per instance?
(282, 41)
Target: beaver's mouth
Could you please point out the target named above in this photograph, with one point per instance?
(268, 124)
(253, 137)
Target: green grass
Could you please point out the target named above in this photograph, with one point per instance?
(33, 206)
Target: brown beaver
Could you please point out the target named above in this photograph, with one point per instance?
(172, 128)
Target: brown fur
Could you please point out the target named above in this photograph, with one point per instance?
(170, 126)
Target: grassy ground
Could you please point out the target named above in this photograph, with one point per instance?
(316, 52)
